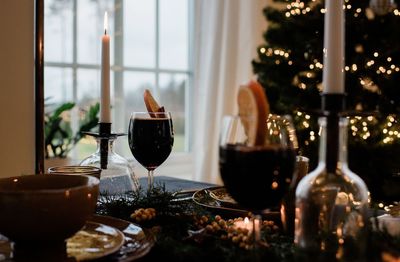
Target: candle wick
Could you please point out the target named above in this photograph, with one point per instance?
(105, 31)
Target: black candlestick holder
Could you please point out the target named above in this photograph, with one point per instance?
(104, 136)
(117, 174)
(333, 107)
(331, 197)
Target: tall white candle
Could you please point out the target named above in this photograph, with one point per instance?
(105, 114)
(333, 74)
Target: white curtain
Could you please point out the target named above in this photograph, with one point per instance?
(227, 33)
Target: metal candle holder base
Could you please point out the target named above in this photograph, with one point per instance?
(104, 135)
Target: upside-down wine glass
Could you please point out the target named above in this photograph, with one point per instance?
(151, 138)
(257, 176)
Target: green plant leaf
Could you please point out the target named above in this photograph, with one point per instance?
(59, 137)
(57, 132)
(59, 110)
(90, 121)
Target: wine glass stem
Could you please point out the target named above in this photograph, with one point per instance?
(150, 180)
(257, 230)
(135, 181)
(257, 243)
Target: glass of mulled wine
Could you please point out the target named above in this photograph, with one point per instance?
(151, 138)
(257, 176)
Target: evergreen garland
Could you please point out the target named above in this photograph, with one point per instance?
(178, 237)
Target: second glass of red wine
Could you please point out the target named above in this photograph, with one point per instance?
(257, 176)
(151, 138)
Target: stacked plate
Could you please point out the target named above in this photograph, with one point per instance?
(103, 236)
(221, 202)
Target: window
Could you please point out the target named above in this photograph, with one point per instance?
(150, 48)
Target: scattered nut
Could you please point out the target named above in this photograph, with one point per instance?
(228, 230)
(143, 214)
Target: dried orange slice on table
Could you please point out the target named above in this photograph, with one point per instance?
(253, 112)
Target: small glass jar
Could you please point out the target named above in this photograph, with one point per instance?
(118, 176)
(75, 170)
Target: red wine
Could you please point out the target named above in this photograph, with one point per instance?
(257, 177)
(150, 140)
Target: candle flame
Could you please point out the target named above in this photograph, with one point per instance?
(105, 22)
(246, 220)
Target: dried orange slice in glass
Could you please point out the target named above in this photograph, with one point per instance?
(151, 104)
(253, 112)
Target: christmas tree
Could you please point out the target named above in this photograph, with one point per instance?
(290, 65)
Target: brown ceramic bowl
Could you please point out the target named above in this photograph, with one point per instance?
(46, 208)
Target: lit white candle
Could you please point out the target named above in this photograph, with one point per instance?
(333, 74)
(105, 114)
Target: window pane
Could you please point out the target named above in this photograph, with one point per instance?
(58, 31)
(137, 49)
(58, 85)
(88, 87)
(88, 94)
(172, 97)
(91, 28)
(134, 85)
(174, 34)
(139, 33)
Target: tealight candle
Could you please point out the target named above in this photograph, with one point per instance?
(244, 224)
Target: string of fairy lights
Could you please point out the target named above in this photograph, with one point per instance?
(300, 8)
(361, 127)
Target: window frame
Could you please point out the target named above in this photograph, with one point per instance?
(179, 160)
